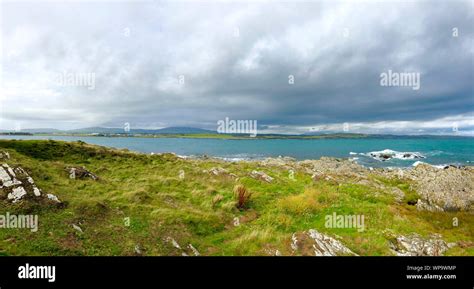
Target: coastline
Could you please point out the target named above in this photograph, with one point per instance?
(176, 203)
(369, 152)
(200, 136)
(240, 136)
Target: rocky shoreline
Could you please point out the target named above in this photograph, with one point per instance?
(441, 188)
(438, 191)
(449, 188)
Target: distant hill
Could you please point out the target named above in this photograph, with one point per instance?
(116, 130)
(210, 133)
(183, 130)
(36, 130)
(88, 130)
(342, 134)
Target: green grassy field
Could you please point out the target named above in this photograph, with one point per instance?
(140, 201)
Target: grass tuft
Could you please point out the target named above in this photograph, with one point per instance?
(243, 197)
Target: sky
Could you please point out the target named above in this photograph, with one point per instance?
(294, 67)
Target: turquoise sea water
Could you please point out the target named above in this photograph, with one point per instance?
(437, 151)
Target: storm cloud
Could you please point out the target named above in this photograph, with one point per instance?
(293, 67)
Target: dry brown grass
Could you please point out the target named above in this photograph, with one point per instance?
(216, 200)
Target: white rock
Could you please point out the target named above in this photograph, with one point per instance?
(36, 191)
(174, 243)
(415, 245)
(5, 178)
(327, 246)
(72, 173)
(53, 198)
(195, 252)
(17, 194)
(261, 175)
(294, 242)
(10, 171)
(322, 244)
(77, 228)
(137, 250)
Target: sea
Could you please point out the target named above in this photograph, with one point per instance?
(370, 152)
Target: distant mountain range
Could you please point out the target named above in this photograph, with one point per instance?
(109, 130)
(197, 131)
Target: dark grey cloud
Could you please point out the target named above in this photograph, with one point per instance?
(234, 60)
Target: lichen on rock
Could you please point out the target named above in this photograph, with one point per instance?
(16, 185)
(314, 243)
(415, 245)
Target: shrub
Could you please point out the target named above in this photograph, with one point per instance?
(242, 195)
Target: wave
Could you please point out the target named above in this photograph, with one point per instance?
(233, 159)
(241, 157)
(417, 163)
(443, 166)
(388, 154)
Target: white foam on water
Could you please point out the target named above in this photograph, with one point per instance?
(388, 154)
(417, 163)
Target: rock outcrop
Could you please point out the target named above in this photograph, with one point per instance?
(331, 166)
(427, 205)
(415, 245)
(314, 243)
(218, 171)
(389, 154)
(4, 155)
(261, 176)
(443, 189)
(281, 162)
(448, 188)
(189, 250)
(17, 185)
(81, 173)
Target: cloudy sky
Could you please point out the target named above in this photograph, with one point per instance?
(293, 67)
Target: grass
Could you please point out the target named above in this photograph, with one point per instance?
(141, 200)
